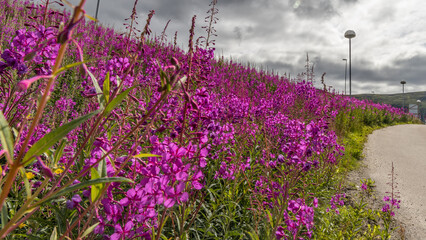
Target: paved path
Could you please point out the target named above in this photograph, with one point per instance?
(405, 146)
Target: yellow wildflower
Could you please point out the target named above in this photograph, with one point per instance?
(30, 175)
(59, 170)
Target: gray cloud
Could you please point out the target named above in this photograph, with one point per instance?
(350, 1)
(390, 44)
(313, 8)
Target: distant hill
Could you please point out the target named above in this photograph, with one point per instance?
(396, 100)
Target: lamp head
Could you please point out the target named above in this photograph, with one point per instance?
(350, 34)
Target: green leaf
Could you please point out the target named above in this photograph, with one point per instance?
(90, 17)
(145, 155)
(271, 221)
(43, 144)
(109, 131)
(83, 185)
(163, 78)
(253, 236)
(117, 100)
(96, 190)
(6, 136)
(111, 161)
(60, 215)
(54, 235)
(102, 170)
(106, 87)
(99, 92)
(4, 215)
(64, 68)
(118, 79)
(59, 152)
(26, 182)
(89, 230)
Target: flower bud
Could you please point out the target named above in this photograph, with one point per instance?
(25, 84)
(45, 170)
(175, 62)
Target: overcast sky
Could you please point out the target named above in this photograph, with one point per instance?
(390, 42)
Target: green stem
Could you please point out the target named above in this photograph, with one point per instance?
(8, 183)
(160, 227)
(17, 163)
(14, 222)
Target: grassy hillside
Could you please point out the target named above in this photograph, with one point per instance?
(397, 100)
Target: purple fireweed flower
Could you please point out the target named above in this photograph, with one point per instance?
(175, 195)
(316, 202)
(22, 68)
(385, 208)
(246, 165)
(123, 233)
(202, 157)
(130, 197)
(336, 201)
(280, 233)
(281, 158)
(3, 66)
(390, 204)
(112, 211)
(195, 180)
(37, 47)
(293, 206)
(74, 201)
(395, 202)
(86, 193)
(101, 226)
(12, 59)
(226, 171)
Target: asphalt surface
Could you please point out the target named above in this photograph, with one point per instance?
(405, 146)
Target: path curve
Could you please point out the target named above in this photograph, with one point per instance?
(405, 146)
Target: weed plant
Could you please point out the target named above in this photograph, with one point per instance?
(125, 136)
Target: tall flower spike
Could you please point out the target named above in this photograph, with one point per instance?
(191, 35)
(146, 31)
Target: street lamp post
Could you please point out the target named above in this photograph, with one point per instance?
(350, 34)
(419, 104)
(97, 8)
(346, 70)
(403, 95)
